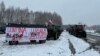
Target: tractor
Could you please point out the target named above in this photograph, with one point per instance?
(77, 30)
(54, 32)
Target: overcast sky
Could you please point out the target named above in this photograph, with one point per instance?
(71, 11)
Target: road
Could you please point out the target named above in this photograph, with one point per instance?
(93, 39)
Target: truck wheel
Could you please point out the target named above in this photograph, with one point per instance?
(56, 37)
(17, 42)
(33, 41)
(10, 43)
(42, 41)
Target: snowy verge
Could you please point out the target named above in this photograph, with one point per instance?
(78, 44)
(81, 47)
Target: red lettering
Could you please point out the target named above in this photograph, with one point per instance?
(13, 29)
(21, 30)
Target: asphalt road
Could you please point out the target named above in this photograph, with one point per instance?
(94, 40)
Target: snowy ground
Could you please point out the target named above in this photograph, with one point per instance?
(60, 47)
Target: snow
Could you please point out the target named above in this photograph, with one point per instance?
(96, 34)
(50, 48)
(79, 44)
(89, 53)
(58, 47)
(92, 32)
(2, 38)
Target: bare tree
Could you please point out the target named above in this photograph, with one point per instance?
(24, 16)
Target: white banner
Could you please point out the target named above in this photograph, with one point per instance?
(17, 33)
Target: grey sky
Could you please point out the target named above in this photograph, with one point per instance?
(72, 11)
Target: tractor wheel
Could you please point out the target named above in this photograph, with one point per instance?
(84, 34)
(56, 37)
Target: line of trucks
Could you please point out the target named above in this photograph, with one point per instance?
(36, 33)
(16, 33)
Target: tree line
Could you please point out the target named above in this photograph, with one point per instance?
(24, 16)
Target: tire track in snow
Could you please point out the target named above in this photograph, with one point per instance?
(71, 47)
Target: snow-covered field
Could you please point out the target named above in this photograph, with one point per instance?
(60, 47)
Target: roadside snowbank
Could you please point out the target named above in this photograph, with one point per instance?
(78, 44)
(91, 52)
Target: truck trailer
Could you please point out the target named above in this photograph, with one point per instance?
(16, 33)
